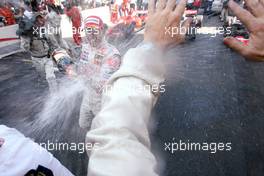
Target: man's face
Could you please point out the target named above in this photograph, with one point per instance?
(94, 36)
(40, 21)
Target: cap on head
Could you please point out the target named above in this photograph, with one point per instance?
(93, 22)
(36, 16)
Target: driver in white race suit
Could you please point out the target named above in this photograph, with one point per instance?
(98, 61)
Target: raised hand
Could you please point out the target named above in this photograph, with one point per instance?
(253, 19)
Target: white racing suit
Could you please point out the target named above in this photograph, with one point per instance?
(120, 128)
(20, 156)
(96, 66)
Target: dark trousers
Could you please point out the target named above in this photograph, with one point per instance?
(208, 7)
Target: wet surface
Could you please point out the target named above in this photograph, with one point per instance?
(212, 95)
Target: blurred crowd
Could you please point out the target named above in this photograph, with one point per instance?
(11, 11)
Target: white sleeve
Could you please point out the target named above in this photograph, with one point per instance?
(19, 155)
(120, 130)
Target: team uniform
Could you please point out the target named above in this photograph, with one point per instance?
(40, 48)
(96, 65)
(21, 156)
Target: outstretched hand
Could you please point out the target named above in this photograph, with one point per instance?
(163, 26)
(253, 19)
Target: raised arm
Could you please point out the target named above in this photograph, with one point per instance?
(120, 130)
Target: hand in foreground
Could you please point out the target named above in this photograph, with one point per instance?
(253, 19)
(163, 27)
